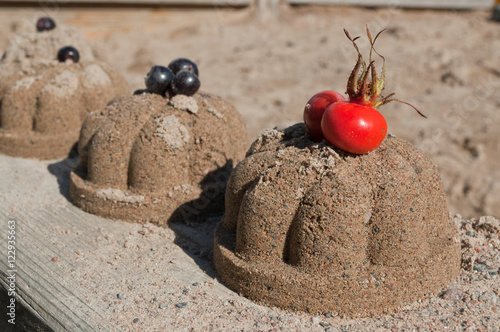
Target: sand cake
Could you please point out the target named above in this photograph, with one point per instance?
(147, 158)
(310, 227)
(43, 102)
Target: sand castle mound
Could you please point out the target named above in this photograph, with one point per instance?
(43, 102)
(310, 227)
(146, 158)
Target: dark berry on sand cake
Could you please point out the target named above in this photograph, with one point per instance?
(157, 156)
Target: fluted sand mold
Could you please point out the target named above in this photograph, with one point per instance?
(43, 102)
(146, 158)
(310, 227)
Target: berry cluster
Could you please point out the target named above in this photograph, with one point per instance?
(181, 77)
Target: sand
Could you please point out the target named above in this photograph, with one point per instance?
(443, 62)
(44, 102)
(172, 267)
(310, 227)
(470, 303)
(147, 158)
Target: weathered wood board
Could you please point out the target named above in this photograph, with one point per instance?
(61, 268)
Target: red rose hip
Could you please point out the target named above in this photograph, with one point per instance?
(354, 128)
(314, 109)
(355, 125)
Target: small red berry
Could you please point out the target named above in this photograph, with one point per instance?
(314, 109)
(354, 128)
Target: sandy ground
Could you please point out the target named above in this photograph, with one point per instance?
(118, 276)
(445, 63)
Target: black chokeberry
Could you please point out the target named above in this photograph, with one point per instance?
(158, 79)
(185, 83)
(68, 52)
(180, 64)
(45, 24)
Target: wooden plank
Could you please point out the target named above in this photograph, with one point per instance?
(434, 4)
(67, 294)
(26, 318)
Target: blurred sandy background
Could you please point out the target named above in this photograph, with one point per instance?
(446, 63)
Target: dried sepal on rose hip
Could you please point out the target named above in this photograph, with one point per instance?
(359, 89)
(352, 125)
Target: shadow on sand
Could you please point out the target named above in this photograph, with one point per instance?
(193, 222)
(62, 169)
